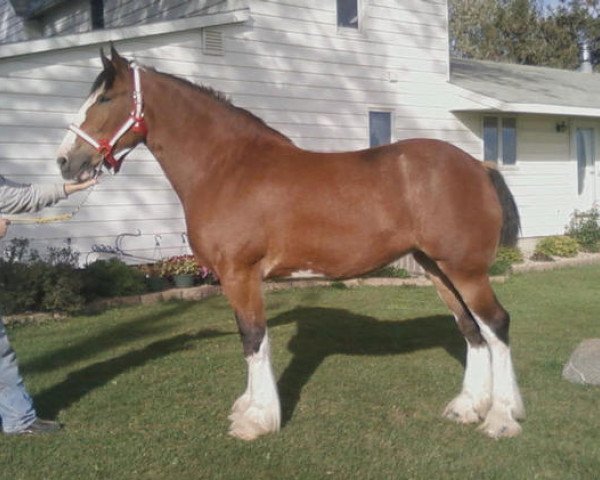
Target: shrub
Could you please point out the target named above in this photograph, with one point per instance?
(509, 254)
(112, 278)
(557, 246)
(505, 257)
(29, 282)
(585, 228)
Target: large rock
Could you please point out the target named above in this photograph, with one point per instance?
(584, 365)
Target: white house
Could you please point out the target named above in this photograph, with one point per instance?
(330, 74)
(542, 126)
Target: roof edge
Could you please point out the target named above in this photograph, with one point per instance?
(534, 109)
(30, 47)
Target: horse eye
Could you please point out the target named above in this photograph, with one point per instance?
(103, 99)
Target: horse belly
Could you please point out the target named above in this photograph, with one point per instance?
(335, 256)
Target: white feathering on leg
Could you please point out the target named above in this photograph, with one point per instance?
(257, 411)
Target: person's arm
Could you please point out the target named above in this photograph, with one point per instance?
(18, 197)
(3, 226)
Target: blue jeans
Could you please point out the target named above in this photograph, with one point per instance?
(16, 406)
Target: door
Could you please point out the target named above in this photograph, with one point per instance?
(585, 152)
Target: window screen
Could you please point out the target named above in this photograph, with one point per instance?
(380, 128)
(347, 13)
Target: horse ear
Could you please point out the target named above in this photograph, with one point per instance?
(105, 61)
(117, 60)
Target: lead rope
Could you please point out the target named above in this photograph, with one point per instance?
(17, 219)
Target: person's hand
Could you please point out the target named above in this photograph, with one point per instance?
(3, 226)
(75, 187)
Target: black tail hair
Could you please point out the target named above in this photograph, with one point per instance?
(511, 221)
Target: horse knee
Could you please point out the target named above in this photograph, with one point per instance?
(470, 330)
(498, 323)
(252, 335)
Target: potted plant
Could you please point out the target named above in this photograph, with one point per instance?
(154, 277)
(182, 269)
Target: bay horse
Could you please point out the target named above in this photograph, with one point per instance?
(257, 207)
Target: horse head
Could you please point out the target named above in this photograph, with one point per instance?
(109, 124)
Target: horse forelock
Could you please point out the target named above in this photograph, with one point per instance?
(104, 80)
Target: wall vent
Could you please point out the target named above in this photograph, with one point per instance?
(212, 42)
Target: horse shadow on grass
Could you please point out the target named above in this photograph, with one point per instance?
(118, 335)
(79, 383)
(322, 332)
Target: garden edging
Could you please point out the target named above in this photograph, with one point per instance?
(205, 291)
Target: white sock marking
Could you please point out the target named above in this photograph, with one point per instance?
(257, 411)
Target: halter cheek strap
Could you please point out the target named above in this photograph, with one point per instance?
(135, 122)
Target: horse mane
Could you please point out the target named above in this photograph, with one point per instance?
(224, 100)
(108, 75)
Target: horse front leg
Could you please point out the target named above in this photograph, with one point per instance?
(257, 411)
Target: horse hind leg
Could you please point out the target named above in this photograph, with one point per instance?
(493, 322)
(257, 411)
(473, 402)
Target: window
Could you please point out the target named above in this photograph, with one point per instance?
(380, 128)
(584, 138)
(97, 14)
(500, 139)
(347, 13)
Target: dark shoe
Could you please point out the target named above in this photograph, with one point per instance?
(39, 427)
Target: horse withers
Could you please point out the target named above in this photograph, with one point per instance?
(257, 206)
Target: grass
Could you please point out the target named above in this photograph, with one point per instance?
(364, 373)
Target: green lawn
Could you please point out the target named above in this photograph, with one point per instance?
(364, 374)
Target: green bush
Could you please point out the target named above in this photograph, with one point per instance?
(112, 278)
(30, 283)
(585, 228)
(505, 257)
(556, 246)
(55, 283)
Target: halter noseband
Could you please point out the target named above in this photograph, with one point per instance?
(135, 122)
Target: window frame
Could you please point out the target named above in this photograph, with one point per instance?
(345, 30)
(97, 17)
(500, 119)
(389, 111)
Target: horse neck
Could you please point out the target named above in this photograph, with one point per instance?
(192, 134)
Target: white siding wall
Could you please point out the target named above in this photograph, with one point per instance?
(290, 65)
(544, 179)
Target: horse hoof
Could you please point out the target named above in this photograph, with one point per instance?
(463, 410)
(500, 426)
(253, 423)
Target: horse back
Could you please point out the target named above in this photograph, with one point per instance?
(342, 214)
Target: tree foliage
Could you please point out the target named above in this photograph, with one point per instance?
(527, 32)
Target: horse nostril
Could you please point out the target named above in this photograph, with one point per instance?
(62, 161)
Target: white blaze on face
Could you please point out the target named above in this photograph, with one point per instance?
(70, 137)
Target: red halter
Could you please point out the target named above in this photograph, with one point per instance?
(135, 122)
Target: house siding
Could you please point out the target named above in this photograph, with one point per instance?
(290, 66)
(544, 178)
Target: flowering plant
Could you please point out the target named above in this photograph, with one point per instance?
(180, 265)
(151, 269)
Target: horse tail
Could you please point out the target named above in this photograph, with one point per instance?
(511, 221)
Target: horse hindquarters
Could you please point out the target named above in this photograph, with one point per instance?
(257, 411)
